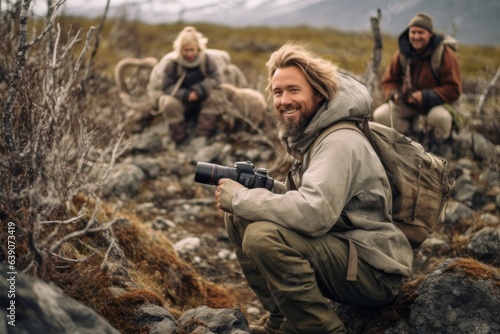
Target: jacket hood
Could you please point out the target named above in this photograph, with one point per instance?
(407, 49)
(352, 102)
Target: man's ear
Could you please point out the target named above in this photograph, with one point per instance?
(318, 98)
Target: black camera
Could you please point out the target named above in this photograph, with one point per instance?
(243, 172)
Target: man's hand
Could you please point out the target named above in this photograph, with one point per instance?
(396, 97)
(193, 96)
(415, 98)
(225, 192)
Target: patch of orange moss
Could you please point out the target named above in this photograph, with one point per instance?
(155, 257)
(475, 269)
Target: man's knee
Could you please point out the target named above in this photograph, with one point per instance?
(260, 237)
(381, 114)
(440, 122)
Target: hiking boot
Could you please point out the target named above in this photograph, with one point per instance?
(271, 326)
(206, 124)
(178, 131)
(263, 330)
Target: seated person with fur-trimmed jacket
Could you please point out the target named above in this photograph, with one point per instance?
(186, 86)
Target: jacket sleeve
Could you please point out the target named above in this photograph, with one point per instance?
(329, 183)
(450, 81)
(212, 79)
(392, 79)
(170, 77)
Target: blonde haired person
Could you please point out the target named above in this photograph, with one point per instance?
(326, 232)
(190, 77)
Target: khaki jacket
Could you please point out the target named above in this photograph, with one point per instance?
(343, 176)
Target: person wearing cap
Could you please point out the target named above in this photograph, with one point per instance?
(412, 89)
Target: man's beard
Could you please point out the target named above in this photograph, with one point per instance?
(291, 129)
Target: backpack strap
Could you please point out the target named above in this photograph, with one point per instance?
(332, 128)
(436, 60)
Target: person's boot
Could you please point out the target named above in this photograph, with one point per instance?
(206, 124)
(178, 131)
(264, 329)
(271, 326)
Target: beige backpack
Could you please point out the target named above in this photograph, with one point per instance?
(420, 181)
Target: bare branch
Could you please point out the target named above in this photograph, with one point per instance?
(70, 260)
(97, 40)
(69, 221)
(487, 92)
(78, 63)
(55, 9)
(372, 82)
(111, 245)
(78, 233)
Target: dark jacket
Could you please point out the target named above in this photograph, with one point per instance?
(445, 88)
(201, 77)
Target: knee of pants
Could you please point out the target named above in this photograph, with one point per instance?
(381, 114)
(172, 107)
(231, 228)
(261, 238)
(440, 121)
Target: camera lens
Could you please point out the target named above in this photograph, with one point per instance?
(208, 173)
(205, 173)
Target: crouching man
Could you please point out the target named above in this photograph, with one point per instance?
(326, 233)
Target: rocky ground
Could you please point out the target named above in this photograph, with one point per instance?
(165, 195)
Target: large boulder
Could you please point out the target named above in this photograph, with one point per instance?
(29, 305)
(460, 296)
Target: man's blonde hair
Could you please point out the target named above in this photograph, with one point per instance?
(190, 35)
(321, 74)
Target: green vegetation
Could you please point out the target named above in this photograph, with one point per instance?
(250, 47)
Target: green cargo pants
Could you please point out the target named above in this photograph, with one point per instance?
(293, 275)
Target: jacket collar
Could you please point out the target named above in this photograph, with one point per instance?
(352, 102)
(407, 49)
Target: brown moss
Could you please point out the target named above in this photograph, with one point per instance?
(86, 283)
(157, 259)
(474, 269)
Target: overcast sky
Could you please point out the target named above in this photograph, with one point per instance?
(477, 22)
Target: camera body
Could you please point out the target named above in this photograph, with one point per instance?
(243, 172)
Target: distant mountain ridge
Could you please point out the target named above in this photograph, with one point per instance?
(476, 22)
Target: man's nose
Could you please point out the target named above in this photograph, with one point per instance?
(286, 98)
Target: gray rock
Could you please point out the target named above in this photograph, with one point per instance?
(486, 244)
(456, 211)
(460, 296)
(149, 141)
(456, 299)
(43, 308)
(124, 181)
(220, 321)
(158, 319)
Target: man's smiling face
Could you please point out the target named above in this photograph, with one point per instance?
(295, 101)
(419, 38)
